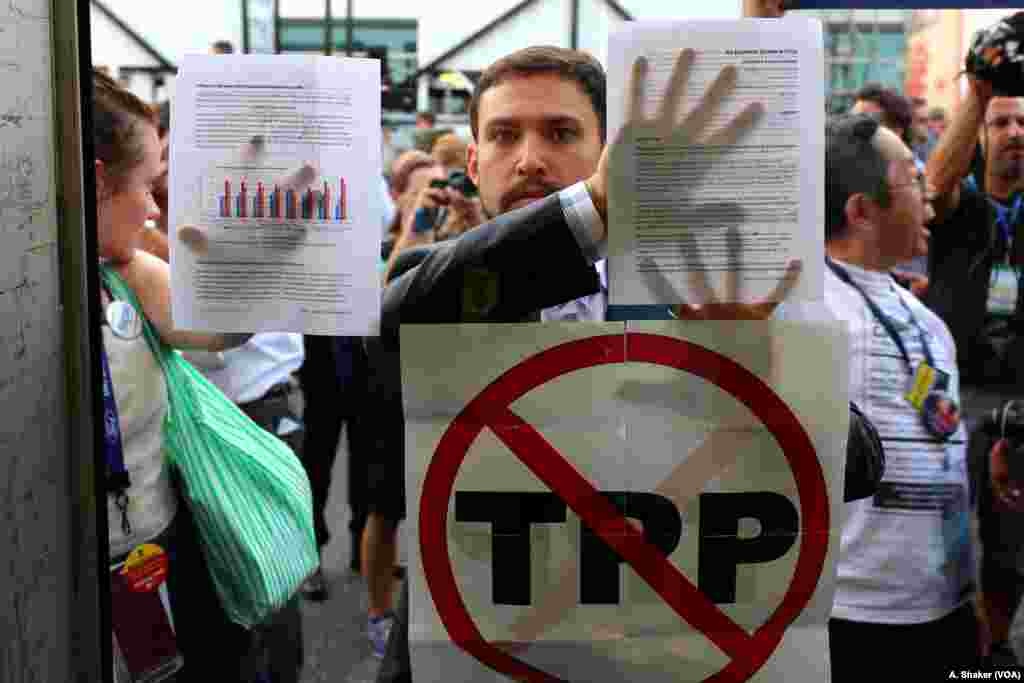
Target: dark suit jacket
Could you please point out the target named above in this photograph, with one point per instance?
(503, 271)
(516, 264)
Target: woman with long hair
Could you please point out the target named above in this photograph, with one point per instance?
(146, 508)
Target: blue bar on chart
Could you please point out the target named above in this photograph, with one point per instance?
(258, 202)
(275, 202)
(291, 205)
(241, 210)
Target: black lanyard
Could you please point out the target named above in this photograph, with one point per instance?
(884, 320)
(1006, 220)
(118, 479)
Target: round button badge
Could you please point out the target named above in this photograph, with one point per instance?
(124, 321)
(941, 415)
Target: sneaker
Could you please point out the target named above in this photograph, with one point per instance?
(315, 587)
(379, 629)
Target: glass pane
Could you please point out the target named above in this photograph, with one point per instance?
(402, 65)
(302, 36)
(401, 39)
(391, 41)
(871, 50)
(395, 36)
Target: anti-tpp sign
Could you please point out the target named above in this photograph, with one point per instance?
(592, 503)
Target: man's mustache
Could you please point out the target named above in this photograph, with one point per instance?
(531, 189)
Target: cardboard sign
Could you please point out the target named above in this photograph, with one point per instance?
(623, 501)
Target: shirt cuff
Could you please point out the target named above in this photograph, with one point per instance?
(584, 221)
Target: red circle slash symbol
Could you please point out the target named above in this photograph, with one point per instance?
(748, 652)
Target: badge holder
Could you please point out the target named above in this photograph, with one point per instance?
(1003, 290)
(1004, 284)
(929, 394)
(145, 646)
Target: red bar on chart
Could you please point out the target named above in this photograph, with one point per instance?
(243, 201)
(258, 205)
(342, 212)
(225, 200)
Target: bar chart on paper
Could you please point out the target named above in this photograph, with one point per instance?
(258, 198)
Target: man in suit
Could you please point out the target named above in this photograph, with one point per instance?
(538, 121)
(539, 158)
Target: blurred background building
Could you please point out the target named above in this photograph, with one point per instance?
(917, 52)
(432, 53)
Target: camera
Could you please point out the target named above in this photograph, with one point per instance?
(1007, 422)
(458, 180)
(996, 56)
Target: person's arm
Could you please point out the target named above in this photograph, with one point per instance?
(150, 279)
(764, 9)
(502, 271)
(155, 242)
(952, 157)
(412, 233)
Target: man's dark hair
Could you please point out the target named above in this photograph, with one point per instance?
(896, 109)
(223, 47)
(572, 65)
(853, 165)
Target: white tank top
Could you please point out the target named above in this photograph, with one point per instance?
(141, 397)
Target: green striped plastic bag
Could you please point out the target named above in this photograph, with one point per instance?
(247, 491)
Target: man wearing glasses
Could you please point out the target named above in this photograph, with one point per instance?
(905, 576)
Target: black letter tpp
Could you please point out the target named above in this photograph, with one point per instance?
(510, 515)
(721, 548)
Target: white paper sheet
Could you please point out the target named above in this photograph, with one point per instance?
(760, 204)
(625, 421)
(299, 262)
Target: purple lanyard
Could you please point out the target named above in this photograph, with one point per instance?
(118, 480)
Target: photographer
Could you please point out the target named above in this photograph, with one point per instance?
(978, 220)
(446, 208)
(974, 272)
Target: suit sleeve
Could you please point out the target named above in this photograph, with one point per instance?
(501, 271)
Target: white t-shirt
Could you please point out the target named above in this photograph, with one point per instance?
(905, 555)
(141, 398)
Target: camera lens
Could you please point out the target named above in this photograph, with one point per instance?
(463, 183)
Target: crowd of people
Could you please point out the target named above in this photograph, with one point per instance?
(922, 212)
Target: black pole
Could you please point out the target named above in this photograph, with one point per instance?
(82, 596)
(245, 26)
(328, 29)
(277, 27)
(348, 27)
(574, 34)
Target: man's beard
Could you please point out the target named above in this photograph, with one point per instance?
(1009, 167)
